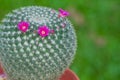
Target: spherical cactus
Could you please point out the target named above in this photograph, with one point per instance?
(36, 43)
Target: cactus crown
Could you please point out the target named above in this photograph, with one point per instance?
(36, 44)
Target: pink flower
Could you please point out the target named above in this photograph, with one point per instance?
(63, 25)
(3, 76)
(23, 26)
(52, 31)
(63, 13)
(43, 31)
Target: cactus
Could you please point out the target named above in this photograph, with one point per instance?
(26, 54)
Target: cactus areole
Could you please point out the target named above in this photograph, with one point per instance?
(36, 43)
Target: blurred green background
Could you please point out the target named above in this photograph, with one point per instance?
(97, 25)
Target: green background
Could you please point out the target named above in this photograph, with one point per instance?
(97, 25)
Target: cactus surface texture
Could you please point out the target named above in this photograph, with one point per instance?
(29, 56)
